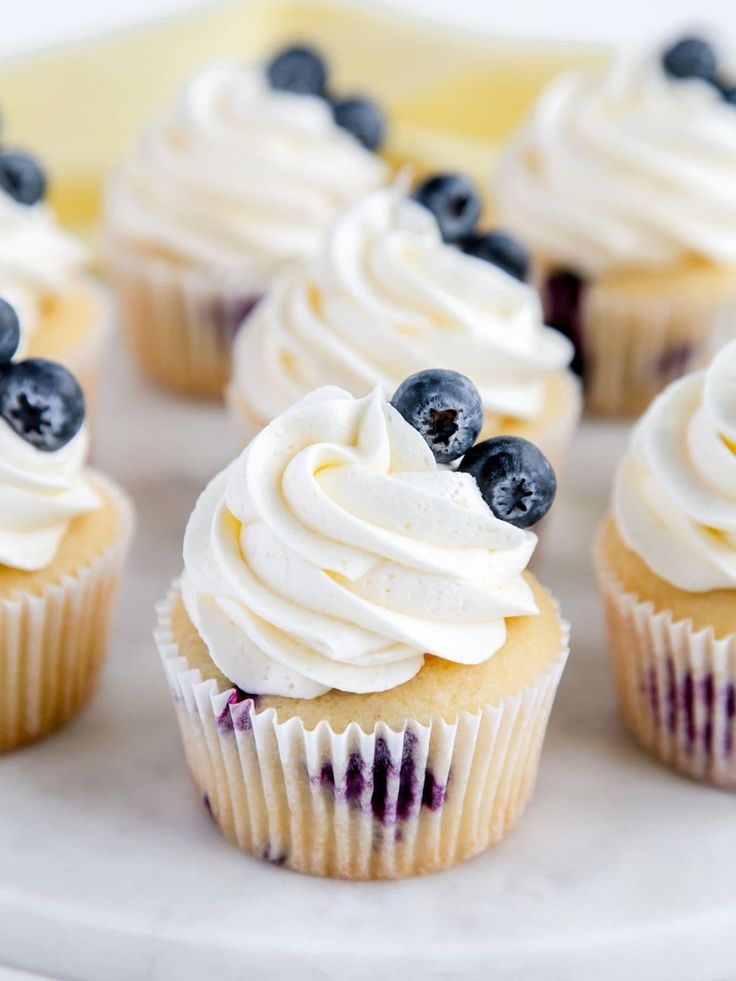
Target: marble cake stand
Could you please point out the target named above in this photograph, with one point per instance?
(110, 869)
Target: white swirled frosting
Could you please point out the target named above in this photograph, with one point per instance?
(37, 260)
(40, 493)
(237, 178)
(675, 491)
(623, 167)
(335, 553)
(384, 298)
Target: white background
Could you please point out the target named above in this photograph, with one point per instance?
(34, 23)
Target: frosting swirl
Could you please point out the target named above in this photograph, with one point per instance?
(384, 298)
(335, 553)
(675, 491)
(40, 493)
(37, 259)
(624, 166)
(237, 177)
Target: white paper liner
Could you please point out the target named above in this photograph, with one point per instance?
(676, 685)
(53, 645)
(178, 323)
(358, 805)
(634, 347)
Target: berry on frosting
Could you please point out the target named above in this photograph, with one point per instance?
(22, 177)
(444, 407)
(298, 69)
(515, 478)
(42, 402)
(502, 250)
(690, 57)
(454, 202)
(362, 118)
(9, 332)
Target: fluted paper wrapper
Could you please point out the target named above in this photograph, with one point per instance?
(676, 685)
(357, 805)
(53, 645)
(633, 347)
(179, 324)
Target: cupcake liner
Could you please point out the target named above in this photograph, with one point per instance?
(179, 324)
(53, 645)
(352, 804)
(676, 685)
(633, 348)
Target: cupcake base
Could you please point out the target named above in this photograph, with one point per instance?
(75, 330)
(675, 674)
(54, 623)
(409, 789)
(179, 326)
(635, 332)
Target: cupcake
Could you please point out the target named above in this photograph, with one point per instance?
(621, 182)
(362, 667)
(63, 535)
(666, 565)
(64, 315)
(237, 180)
(403, 283)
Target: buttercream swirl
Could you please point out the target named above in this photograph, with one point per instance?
(237, 178)
(675, 491)
(335, 553)
(37, 260)
(40, 493)
(623, 167)
(384, 298)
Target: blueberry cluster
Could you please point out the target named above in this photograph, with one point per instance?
(22, 177)
(693, 57)
(302, 70)
(455, 204)
(515, 478)
(40, 401)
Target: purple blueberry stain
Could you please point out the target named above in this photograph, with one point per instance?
(208, 805)
(562, 295)
(272, 857)
(228, 315)
(236, 713)
(682, 701)
(388, 802)
(675, 361)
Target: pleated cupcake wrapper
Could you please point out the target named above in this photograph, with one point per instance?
(676, 685)
(179, 324)
(353, 804)
(53, 645)
(634, 347)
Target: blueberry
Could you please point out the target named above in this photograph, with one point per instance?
(691, 57)
(9, 331)
(515, 478)
(454, 202)
(22, 177)
(502, 250)
(42, 402)
(729, 93)
(445, 407)
(297, 69)
(363, 119)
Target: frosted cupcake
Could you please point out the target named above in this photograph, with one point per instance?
(621, 182)
(63, 315)
(399, 285)
(63, 536)
(361, 666)
(237, 180)
(666, 562)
